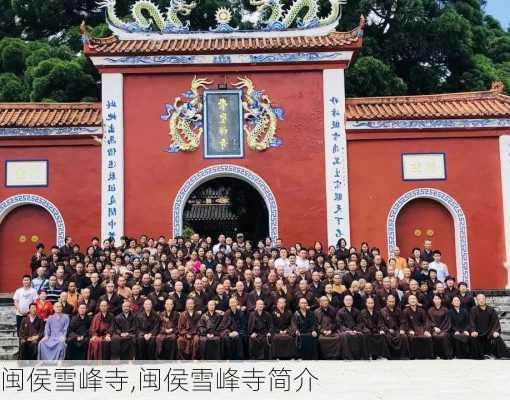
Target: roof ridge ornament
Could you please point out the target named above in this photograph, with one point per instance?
(149, 22)
(498, 87)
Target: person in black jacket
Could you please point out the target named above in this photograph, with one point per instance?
(459, 329)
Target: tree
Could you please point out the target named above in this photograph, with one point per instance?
(12, 88)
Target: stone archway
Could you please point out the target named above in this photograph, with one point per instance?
(18, 200)
(219, 171)
(459, 219)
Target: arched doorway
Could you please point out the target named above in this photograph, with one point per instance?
(225, 171)
(20, 231)
(459, 222)
(423, 219)
(229, 206)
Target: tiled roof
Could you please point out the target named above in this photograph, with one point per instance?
(487, 104)
(43, 115)
(332, 41)
(204, 212)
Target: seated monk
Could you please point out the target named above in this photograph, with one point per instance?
(283, 343)
(460, 329)
(259, 331)
(486, 331)
(100, 334)
(166, 341)
(124, 334)
(304, 327)
(188, 343)
(396, 339)
(414, 324)
(233, 331)
(373, 331)
(349, 332)
(326, 321)
(439, 325)
(209, 333)
(79, 335)
(30, 332)
(147, 326)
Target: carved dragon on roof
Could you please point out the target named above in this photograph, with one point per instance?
(148, 20)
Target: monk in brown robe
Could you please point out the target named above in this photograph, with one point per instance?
(283, 344)
(349, 332)
(166, 341)
(373, 331)
(136, 299)
(78, 335)
(415, 323)
(147, 324)
(209, 333)
(88, 301)
(233, 331)
(395, 336)
(326, 321)
(259, 330)
(439, 325)
(188, 343)
(100, 334)
(486, 331)
(124, 334)
(31, 331)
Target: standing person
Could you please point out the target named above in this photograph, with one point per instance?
(486, 331)
(459, 329)
(166, 341)
(326, 325)
(100, 334)
(414, 324)
(259, 331)
(147, 324)
(53, 345)
(439, 320)
(440, 267)
(209, 333)
(372, 328)
(427, 254)
(398, 344)
(44, 307)
(305, 330)
(350, 336)
(124, 334)
(23, 298)
(283, 343)
(188, 343)
(78, 336)
(233, 327)
(31, 331)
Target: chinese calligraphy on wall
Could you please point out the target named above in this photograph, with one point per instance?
(335, 142)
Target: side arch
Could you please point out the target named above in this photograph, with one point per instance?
(459, 220)
(224, 171)
(9, 204)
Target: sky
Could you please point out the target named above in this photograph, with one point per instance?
(500, 9)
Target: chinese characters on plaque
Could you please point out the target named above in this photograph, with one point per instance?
(426, 166)
(223, 122)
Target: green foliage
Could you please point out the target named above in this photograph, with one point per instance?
(410, 46)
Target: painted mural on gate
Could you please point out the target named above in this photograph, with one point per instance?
(185, 117)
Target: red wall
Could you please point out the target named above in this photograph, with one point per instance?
(425, 215)
(74, 183)
(36, 225)
(473, 170)
(295, 171)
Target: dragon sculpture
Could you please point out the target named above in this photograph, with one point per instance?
(185, 118)
(260, 115)
(281, 20)
(169, 23)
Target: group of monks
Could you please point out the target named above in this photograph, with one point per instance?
(192, 299)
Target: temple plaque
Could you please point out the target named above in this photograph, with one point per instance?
(223, 124)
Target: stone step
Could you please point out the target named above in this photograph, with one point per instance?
(8, 341)
(8, 332)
